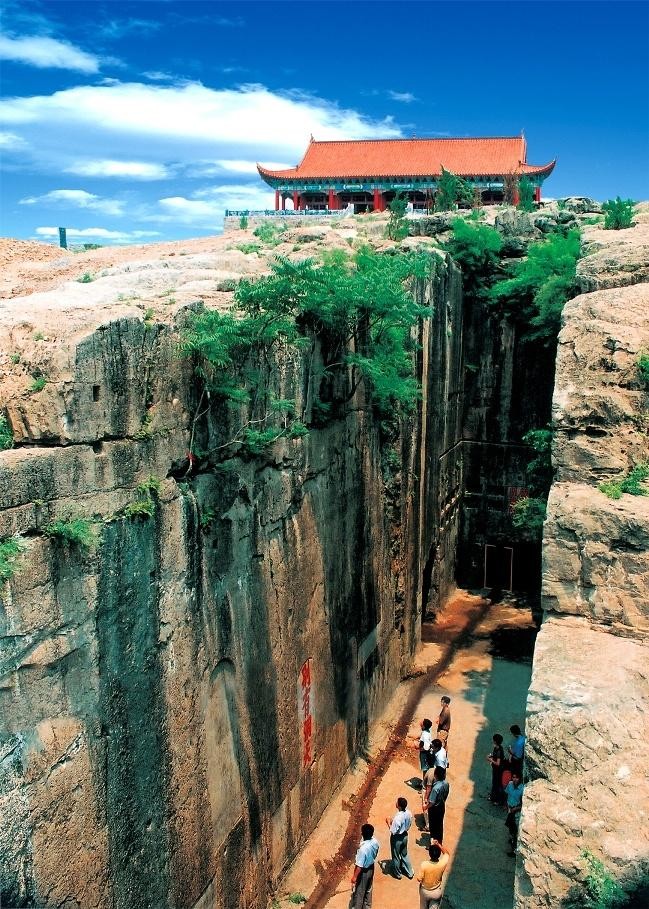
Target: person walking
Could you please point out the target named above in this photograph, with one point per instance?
(430, 876)
(514, 796)
(444, 721)
(399, 827)
(435, 795)
(363, 876)
(497, 760)
(517, 751)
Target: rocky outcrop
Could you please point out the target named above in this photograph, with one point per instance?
(178, 705)
(587, 726)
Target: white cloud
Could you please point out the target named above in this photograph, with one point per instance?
(184, 122)
(404, 97)
(207, 206)
(45, 52)
(77, 198)
(117, 28)
(135, 170)
(100, 233)
(11, 140)
(216, 168)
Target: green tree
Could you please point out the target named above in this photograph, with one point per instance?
(525, 195)
(618, 213)
(598, 889)
(452, 190)
(361, 309)
(397, 223)
(540, 285)
(6, 435)
(476, 249)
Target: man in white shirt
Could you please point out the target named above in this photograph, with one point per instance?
(399, 827)
(363, 875)
(438, 757)
(425, 742)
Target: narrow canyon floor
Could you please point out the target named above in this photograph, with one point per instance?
(479, 654)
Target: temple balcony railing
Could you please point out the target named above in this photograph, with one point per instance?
(289, 212)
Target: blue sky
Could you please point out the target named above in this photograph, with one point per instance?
(137, 122)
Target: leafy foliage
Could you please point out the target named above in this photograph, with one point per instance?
(642, 365)
(248, 248)
(452, 190)
(144, 506)
(360, 308)
(525, 195)
(86, 278)
(243, 222)
(269, 233)
(397, 223)
(476, 248)
(6, 435)
(618, 213)
(599, 889)
(540, 285)
(528, 514)
(539, 469)
(37, 385)
(632, 483)
(78, 531)
(10, 550)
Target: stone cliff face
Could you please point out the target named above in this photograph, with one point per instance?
(588, 708)
(153, 749)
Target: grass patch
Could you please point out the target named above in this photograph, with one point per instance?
(76, 531)
(248, 248)
(37, 385)
(86, 278)
(10, 551)
(144, 506)
(38, 336)
(15, 358)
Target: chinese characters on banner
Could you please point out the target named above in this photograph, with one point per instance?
(305, 713)
(514, 493)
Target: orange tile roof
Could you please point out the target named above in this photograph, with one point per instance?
(411, 158)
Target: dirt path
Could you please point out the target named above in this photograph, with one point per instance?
(488, 694)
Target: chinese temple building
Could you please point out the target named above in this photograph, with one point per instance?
(368, 173)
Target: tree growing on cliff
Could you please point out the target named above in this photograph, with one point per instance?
(597, 890)
(476, 249)
(539, 287)
(361, 311)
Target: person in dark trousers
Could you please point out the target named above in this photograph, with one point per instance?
(514, 796)
(444, 721)
(497, 760)
(435, 803)
(517, 750)
(363, 876)
(399, 827)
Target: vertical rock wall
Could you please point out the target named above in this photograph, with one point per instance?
(152, 749)
(588, 707)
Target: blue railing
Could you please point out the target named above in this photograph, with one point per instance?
(281, 214)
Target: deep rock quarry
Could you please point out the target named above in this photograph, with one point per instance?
(152, 691)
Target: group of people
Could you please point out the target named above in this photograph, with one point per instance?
(507, 779)
(506, 789)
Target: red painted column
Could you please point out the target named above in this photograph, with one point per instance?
(331, 202)
(283, 202)
(296, 200)
(276, 200)
(377, 200)
(537, 194)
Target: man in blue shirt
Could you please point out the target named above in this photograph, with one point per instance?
(514, 795)
(363, 875)
(399, 827)
(517, 750)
